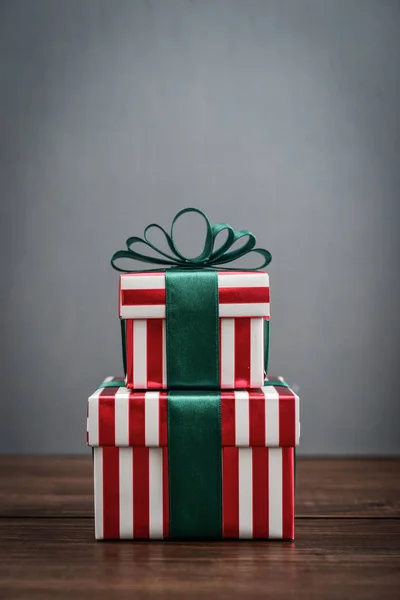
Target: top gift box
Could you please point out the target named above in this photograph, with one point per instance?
(195, 324)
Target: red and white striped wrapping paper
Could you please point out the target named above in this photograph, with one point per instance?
(129, 433)
(244, 303)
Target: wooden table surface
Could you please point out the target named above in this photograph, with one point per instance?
(347, 541)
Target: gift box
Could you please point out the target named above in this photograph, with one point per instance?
(188, 335)
(193, 464)
(191, 323)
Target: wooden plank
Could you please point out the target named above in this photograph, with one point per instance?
(331, 559)
(348, 488)
(46, 486)
(62, 486)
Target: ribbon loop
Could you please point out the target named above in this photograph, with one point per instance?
(168, 238)
(204, 256)
(209, 258)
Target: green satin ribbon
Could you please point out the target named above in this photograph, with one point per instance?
(116, 383)
(277, 383)
(194, 454)
(209, 258)
(192, 329)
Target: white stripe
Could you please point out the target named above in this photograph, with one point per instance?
(126, 493)
(142, 282)
(140, 354)
(227, 353)
(151, 418)
(98, 492)
(256, 309)
(130, 281)
(156, 493)
(93, 418)
(242, 433)
(157, 311)
(297, 417)
(151, 311)
(245, 492)
(271, 416)
(243, 280)
(275, 492)
(164, 357)
(121, 400)
(256, 353)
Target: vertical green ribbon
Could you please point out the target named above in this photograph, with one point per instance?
(192, 330)
(194, 422)
(194, 456)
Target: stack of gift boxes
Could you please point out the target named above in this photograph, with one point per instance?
(196, 441)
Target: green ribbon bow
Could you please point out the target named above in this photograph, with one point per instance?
(209, 258)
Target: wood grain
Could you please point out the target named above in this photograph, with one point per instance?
(62, 487)
(347, 541)
(44, 486)
(331, 558)
(348, 488)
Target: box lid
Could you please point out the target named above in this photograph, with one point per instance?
(241, 294)
(268, 417)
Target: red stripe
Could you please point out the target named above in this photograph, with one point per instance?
(228, 418)
(141, 500)
(111, 492)
(260, 493)
(287, 417)
(129, 352)
(257, 418)
(107, 417)
(147, 297)
(230, 492)
(221, 358)
(154, 353)
(165, 494)
(163, 416)
(119, 294)
(136, 419)
(234, 295)
(243, 295)
(288, 493)
(242, 352)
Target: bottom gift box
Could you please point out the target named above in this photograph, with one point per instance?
(194, 464)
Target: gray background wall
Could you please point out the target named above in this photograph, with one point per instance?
(277, 116)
